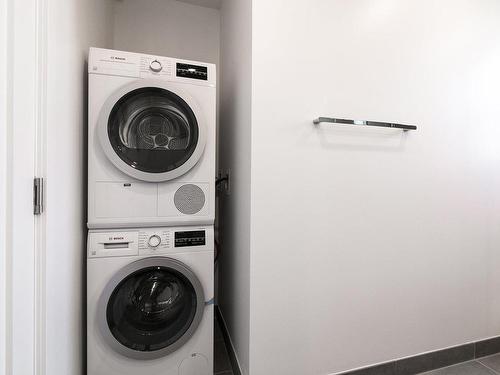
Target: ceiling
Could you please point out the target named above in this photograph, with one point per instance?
(215, 4)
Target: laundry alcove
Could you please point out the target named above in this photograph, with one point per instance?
(341, 247)
(185, 30)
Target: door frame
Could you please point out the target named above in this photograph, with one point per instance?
(5, 115)
(22, 235)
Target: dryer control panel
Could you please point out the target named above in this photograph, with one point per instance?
(149, 241)
(128, 64)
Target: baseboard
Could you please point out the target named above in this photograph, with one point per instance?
(432, 360)
(229, 344)
(406, 366)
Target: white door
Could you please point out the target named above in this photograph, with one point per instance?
(21, 111)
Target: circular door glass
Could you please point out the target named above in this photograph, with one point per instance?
(153, 130)
(151, 309)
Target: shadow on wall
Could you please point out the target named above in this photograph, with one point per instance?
(83, 204)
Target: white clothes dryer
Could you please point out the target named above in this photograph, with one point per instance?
(151, 144)
(150, 301)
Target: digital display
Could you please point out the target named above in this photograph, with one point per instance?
(192, 71)
(190, 238)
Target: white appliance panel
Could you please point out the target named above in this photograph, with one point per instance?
(197, 353)
(114, 204)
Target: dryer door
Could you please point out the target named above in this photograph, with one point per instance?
(152, 131)
(151, 308)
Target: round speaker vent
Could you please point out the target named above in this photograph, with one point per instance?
(189, 199)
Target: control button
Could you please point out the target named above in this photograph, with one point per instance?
(154, 241)
(155, 66)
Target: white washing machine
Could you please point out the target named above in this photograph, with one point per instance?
(152, 132)
(150, 301)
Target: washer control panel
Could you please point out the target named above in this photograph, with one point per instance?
(150, 241)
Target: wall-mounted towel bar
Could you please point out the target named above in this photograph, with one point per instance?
(364, 123)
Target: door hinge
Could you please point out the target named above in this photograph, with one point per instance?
(37, 195)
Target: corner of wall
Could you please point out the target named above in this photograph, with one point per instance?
(235, 154)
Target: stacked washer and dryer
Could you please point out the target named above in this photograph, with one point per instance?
(151, 210)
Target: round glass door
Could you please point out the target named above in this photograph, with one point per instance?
(150, 132)
(154, 309)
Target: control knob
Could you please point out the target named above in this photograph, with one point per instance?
(154, 241)
(155, 66)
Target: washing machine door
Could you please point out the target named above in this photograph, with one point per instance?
(152, 130)
(151, 308)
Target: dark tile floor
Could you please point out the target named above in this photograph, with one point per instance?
(222, 365)
(482, 366)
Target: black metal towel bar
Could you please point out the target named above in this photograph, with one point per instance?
(363, 123)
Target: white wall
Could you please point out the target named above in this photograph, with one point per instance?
(234, 149)
(73, 26)
(369, 245)
(167, 28)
